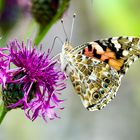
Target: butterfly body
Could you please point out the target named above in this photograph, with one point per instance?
(96, 68)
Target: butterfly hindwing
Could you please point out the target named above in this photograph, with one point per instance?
(96, 83)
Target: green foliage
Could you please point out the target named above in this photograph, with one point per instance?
(3, 112)
(120, 16)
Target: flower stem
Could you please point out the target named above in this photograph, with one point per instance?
(3, 112)
(1, 5)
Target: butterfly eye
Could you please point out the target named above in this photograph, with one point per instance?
(102, 91)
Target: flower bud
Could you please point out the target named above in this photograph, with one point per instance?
(45, 10)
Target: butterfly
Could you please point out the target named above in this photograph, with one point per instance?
(96, 68)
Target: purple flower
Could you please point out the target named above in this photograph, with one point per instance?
(4, 66)
(34, 79)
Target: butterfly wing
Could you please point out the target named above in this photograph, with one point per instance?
(96, 83)
(97, 68)
(125, 51)
(118, 52)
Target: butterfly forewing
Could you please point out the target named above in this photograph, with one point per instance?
(96, 68)
(124, 50)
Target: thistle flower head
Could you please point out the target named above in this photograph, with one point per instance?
(44, 11)
(33, 82)
(4, 65)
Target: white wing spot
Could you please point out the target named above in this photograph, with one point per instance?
(115, 41)
(105, 73)
(125, 53)
(93, 77)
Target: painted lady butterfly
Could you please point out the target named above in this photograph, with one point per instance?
(96, 68)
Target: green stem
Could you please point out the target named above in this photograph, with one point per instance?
(3, 112)
(2, 2)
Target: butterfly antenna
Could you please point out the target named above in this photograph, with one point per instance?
(62, 21)
(54, 40)
(74, 15)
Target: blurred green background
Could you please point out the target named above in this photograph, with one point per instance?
(120, 120)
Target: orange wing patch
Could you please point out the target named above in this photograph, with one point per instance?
(108, 56)
(116, 64)
(88, 53)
